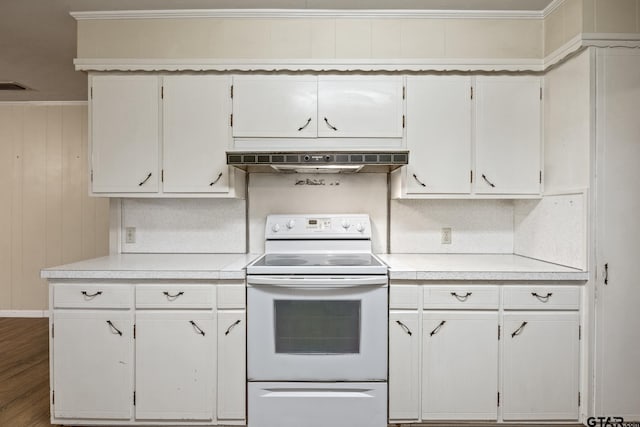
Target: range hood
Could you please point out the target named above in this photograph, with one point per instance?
(318, 161)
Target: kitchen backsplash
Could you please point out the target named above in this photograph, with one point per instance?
(184, 225)
(477, 226)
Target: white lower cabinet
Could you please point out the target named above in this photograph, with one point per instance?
(175, 365)
(404, 366)
(541, 366)
(460, 365)
(92, 367)
(232, 375)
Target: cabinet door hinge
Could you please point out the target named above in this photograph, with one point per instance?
(231, 92)
(471, 176)
(134, 331)
(540, 178)
(404, 92)
(91, 92)
(134, 398)
(161, 175)
(403, 121)
(53, 397)
(498, 399)
(91, 175)
(471, 92)
(162, 92)
(231, 120)
(499, 331)
(579, 399)
(53, 331)
(541, 94)
(579, 332)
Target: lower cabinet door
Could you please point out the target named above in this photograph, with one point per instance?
(540, 366)
(404, 366)
(232, 371)
(93, 364)
(175, 365)
(460, 365)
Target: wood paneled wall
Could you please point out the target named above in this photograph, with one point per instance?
(46, 215)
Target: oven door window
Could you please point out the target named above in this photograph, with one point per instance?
(317, 327)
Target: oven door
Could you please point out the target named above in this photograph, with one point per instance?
(315, 328)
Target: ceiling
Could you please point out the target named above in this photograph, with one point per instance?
(38, 38)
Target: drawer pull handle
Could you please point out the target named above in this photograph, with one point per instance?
(144, 180)
(196, 327)
(233, 325)
(418, 181)
(491, 184)
(404, 327)
(214, 182)
(542, 298)
(305, 125)
(437, 328)
(117, 331)
(519, 330)
(88, 295)
(329, 124)
(172, 297)
(461, 297)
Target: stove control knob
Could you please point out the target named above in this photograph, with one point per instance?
(290, 224)
(346, 224)
(275, 228)
(360, 227)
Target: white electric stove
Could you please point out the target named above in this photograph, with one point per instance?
(317, 315)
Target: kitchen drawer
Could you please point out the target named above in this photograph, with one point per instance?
(541, 297)
(232, 296)
(403, 297)
(92, 295)
(175, 295)
(474, 297)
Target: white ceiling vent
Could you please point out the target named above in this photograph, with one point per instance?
(12, 86)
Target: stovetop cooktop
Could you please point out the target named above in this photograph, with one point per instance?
(317, 263)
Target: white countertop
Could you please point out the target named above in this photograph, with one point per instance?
(155, 266)
(475, 267)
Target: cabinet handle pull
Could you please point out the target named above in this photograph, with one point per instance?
(437, 328)
(329, 124)
(543, 298)
(91, 295)
(233, 325)
(305, 125)
(118, 331)
(517, 331)
(197, 328)
(418, 181)
(404, 327)
(172, 297)
(487, 181)
(606, 274)
(145, 180)
(216, 180)
(461, 297)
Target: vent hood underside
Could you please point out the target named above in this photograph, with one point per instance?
(318, 161)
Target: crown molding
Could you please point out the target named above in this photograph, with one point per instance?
(551, 7)
(311, 65)
(306, 14)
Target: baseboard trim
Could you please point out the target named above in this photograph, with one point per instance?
(24, 313)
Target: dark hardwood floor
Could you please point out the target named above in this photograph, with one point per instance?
(24, 372)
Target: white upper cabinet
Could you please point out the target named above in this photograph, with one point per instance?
(508, 135)
(196, 133)
(124, 133)
(360, 106)
(312, 106)
(275, 106)
(439, 135)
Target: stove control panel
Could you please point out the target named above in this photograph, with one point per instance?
(354, 226)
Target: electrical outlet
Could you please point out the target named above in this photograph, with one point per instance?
(130, 234)
(445, 236)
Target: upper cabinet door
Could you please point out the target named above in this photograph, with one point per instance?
(439, 135)
(125, 133)
(275, 106)
(360, 106)
(196, 133)
(508, 135)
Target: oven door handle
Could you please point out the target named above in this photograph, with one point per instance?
(313, 282)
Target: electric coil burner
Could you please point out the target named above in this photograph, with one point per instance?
(317, 325)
